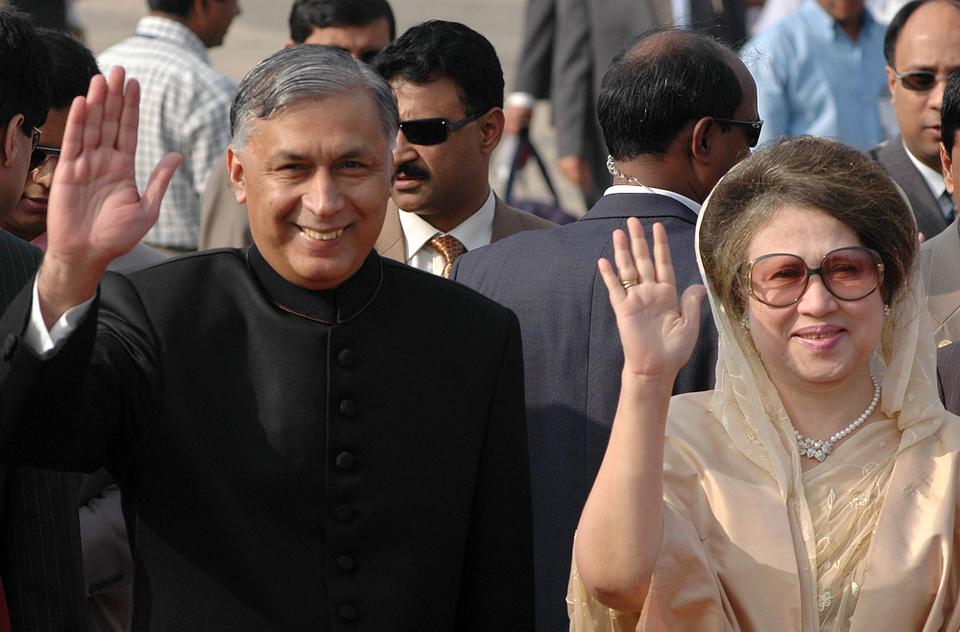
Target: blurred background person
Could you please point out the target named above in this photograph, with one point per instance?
(820, 71)
(922, 47)
(186, 105)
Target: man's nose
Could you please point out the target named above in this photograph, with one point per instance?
(323, 196)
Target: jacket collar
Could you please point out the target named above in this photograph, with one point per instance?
(632, 205)
(332, 307)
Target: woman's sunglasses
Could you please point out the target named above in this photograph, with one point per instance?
(433, 131)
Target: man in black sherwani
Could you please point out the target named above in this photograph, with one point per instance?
(310, 437)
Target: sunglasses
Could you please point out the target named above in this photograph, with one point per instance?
(433, 131)
(849, 274)
(40, 154)
(919, 80)
(752, 128)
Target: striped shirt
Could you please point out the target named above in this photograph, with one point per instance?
(184, 107)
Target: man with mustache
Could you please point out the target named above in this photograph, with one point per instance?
(449, 87)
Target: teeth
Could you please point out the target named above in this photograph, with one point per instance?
(817, 336)
(312, 234)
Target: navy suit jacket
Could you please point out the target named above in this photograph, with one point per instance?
(573, 358)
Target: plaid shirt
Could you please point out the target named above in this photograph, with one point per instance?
(184, 107)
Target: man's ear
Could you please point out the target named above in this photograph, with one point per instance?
(946, 162)
(702, 138)
(235, 171)
(11, 148)
(491, 130)
(891, 83)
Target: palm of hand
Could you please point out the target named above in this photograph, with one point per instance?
(105, 216)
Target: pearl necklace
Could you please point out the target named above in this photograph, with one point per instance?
(820, 450)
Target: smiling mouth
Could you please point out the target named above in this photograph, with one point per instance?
(820, 336)
(322, 236)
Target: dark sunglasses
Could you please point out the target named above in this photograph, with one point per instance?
(433, 131)
(40, 154)
(849, 274)
(752, 128)
(919, 80)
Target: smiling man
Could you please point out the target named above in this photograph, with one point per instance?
(449, 87)
(265, 409)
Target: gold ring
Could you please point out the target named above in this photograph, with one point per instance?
(628, 284)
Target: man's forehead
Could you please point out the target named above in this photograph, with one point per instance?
(350, 127)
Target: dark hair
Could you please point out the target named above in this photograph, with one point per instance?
(663, 80)
(72, 67)
(812, 173)
(307, 15)
(950, 111)
(437, 49)
(175, 7)
(24, 73)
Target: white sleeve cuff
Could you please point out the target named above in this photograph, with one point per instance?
(44, 342)
(520, 100)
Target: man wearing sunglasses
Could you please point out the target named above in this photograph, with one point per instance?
(678, 110)
(449, 87)
(359, 27)
(41, 576)
(922, 47)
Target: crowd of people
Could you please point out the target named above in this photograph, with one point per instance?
(276, 356)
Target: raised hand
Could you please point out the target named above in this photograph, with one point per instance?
(657, 331)
(95, 213)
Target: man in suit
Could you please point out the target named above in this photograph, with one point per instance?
(40, 563)
(360, 27)
(668, 150)
(922, 47)
(567, 46)
(449, 88)
(940, 256)
(286, 465)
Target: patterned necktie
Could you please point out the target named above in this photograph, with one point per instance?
(449, 248)
(946, 202)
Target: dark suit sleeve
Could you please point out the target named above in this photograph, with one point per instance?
(93, 397)
(536, 56)
(497, 583)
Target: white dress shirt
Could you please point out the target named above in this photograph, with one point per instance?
(632, 188)
(473, 232)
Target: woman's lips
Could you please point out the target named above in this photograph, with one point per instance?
(821, 338)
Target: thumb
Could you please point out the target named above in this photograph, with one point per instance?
(160, 180)
(690, 304)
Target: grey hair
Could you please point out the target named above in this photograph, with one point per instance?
(307, 71)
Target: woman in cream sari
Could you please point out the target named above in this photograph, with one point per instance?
(817, 487)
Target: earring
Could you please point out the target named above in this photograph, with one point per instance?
(886, 311)
(745, 323)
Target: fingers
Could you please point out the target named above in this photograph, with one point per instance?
(661, 255)
(129, 119)
(96, 95)
(73, 131)
(640, 252)
(626, 268)
(690, 304)
(112, 107)
(158, 183)
(610, 279)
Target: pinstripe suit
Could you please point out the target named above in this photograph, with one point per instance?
(40, 561)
